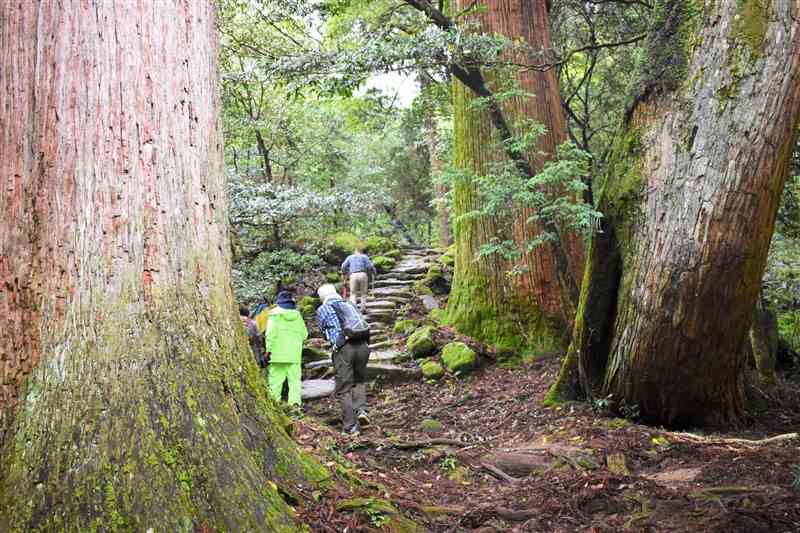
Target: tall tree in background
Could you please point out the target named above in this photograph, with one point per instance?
(529, 309)
(130, 398)
(690, 199)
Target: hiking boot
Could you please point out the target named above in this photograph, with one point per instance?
(353, 431)
(363, 417)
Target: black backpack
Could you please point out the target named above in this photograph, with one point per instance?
(354, 325)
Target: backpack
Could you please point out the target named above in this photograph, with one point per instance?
(354, 325)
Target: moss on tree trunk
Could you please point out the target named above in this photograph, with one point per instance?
(525, 312)
(131, 400)
(690, 198)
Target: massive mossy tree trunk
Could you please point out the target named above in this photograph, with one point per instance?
(690, 200)
(528, 310)
(130, 398)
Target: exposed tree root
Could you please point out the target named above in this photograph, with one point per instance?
(499, 474)
(741, 442)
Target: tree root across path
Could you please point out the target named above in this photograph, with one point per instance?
(733, 441)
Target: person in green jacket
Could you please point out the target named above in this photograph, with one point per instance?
(284, 338)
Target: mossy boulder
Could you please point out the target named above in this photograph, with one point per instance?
(458, 357)
(432, 370)
(308, 306)
(421, 343)
(404, 327)
(436, 281)
(333, 277)
(430, 425)
(379, 245)
(394, 254)
(383, 263)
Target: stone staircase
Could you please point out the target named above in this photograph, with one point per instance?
(392, 290)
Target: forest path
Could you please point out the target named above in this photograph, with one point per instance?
(480, 453)
(391, 292)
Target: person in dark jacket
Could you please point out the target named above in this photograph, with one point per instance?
(350, 360)
(255, 338)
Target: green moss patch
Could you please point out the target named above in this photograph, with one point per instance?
(429, 425)
(421, 343)
(404, 327)
(458, 357)
(432, 370)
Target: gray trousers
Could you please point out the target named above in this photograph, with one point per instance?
(359, 286)
(350, 363)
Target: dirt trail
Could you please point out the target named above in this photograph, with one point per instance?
(479, 453)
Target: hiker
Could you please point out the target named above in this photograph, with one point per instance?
(259, 316)
(253, 335)
(347, 331)
(284, 337)
(361, 272)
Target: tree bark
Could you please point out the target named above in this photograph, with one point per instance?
(690, 198)
(130, 399)
(528, 312)
(263, 151)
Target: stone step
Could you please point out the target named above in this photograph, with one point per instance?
(392, 291)
(405, 276)
(318, 388)
(394, 282)
(377, 357)
(381, 304)
(378, 345)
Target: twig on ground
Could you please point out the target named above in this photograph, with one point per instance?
(496, 472)
(426, 443)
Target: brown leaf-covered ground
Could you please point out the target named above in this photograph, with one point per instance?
(583, 470)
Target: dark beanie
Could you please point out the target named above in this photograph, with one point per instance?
(285, 300)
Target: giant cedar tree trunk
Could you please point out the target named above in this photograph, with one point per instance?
(130, 398)
(526, 311)
(690, 203)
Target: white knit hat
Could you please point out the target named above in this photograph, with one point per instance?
(326, 291)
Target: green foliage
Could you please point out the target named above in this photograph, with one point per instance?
(448, 463)
(376, 245)
(259, 279)
(550, 195)
(345, 242)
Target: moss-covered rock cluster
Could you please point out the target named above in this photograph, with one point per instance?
(459, 358)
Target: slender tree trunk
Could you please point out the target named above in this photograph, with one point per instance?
(263, 151)
(526, 312)
(690, 200)
(130, 398)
